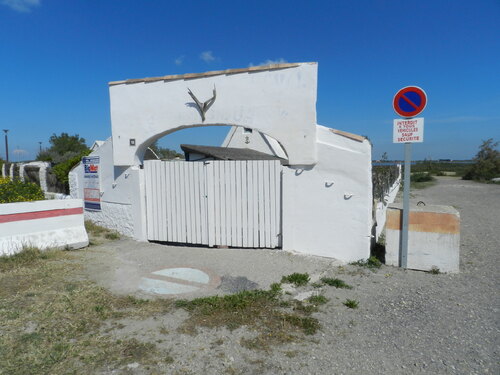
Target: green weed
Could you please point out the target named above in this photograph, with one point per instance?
(371, 263)
(337, 283)
(434, 270)
(317, 300)
(298, 279)
(351, 303)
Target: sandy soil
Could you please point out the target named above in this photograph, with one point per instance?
(408, 322)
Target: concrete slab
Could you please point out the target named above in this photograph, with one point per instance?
(153, 270)
(165, 287)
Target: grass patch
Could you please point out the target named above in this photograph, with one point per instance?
(371, 263)
(263, 311)
(337, 283)
(422, 185)
(317, 300)
(298, 279)
(351, 303)
(112, 236)
(51, 324)
(54, 323)
(29, 255)
(98, 234)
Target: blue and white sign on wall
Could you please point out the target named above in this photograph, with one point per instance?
(91, 184)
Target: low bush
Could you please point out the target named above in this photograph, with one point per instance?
(486, 163)
(61, 170)
(18, 191)
(421, 177)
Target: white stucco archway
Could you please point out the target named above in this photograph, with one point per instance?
(277, 100)
(326, 187)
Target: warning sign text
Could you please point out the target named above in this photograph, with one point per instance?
(408, 131)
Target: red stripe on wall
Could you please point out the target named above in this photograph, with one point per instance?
(40, 214)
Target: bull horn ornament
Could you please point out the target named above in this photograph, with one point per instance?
(203, 107)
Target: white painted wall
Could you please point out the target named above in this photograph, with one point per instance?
(327, 209)
(280, 103)
(44, 224)
(121, 199)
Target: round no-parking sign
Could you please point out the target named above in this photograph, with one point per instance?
(409, 101)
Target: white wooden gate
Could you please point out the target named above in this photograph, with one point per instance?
(227, 203)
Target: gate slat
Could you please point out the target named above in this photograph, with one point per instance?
(210, 204)
(267, 205)
(260, 201)
(195, 216)
(250, 200)
(277, 202)
(227, 198)
(149, 204)
(272, 207)
(217, 203)
(244, 203)
(168, 193)
(178, 202)
(238, 204)
(175, 201)
(256, 185)
(188, 196)
(155, 200)
(203, 211)
(223, 198)
(234, 202)
(163, 205)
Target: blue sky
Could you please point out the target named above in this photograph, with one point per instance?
(57, 56)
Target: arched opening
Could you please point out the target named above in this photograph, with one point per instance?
(230, 136)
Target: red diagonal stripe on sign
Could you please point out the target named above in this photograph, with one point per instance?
(409, 102)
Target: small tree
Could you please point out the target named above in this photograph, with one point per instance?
(486, 162)
(65, 152)
(63, 147)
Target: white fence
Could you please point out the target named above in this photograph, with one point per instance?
(214, 203)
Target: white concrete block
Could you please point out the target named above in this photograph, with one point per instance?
(433, 237)
(42, 224)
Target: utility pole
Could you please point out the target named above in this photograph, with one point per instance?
(40, 143)
(6, 146)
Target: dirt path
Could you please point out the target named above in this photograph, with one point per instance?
(407, 322)
(57, 321)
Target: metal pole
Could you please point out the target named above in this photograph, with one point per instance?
(6, 146)
(40, 146)
(403, 256)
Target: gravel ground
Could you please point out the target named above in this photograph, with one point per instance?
(408, 322)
